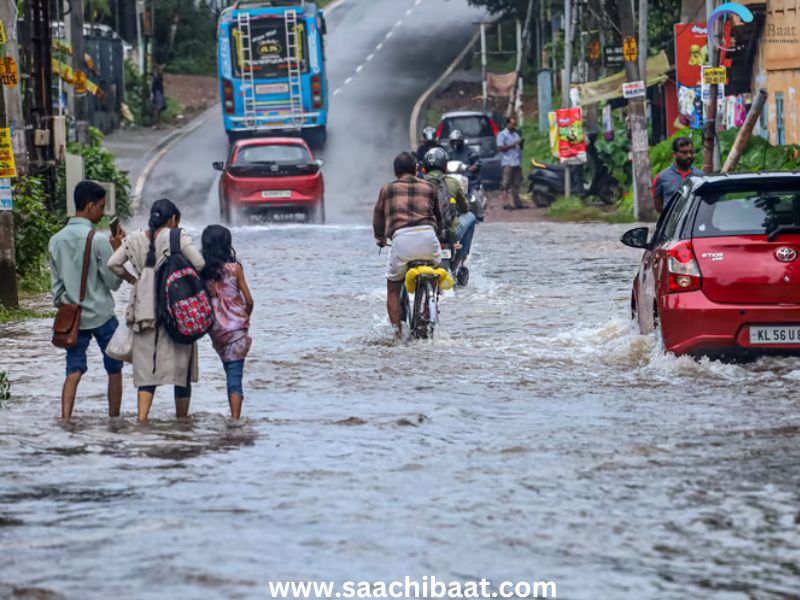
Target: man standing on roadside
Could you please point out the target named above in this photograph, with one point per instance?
(671, 179)
(509, 144)
(66, 251)
(407, 212)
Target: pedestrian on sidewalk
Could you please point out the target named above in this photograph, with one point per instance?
(233, 305)
(159, 98)
(509, 144)
(66, 250)
(157, 358)
(671, 179)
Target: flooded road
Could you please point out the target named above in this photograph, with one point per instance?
(537, 437)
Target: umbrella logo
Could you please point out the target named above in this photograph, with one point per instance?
(729, 8)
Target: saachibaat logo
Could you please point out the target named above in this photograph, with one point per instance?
(729, 8)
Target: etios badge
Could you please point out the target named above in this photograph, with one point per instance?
(786, 254)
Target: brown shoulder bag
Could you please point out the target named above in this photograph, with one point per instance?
(67, 324)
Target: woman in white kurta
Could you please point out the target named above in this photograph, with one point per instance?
(171, 363)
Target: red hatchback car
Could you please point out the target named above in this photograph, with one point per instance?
(272, 175)
(721, 274)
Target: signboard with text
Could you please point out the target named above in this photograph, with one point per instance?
(6, 201)
(613, 57)
(634, 89)
(8, 169)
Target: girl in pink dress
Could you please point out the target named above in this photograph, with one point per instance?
(233, 304)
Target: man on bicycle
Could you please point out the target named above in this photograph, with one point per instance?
(407, 212)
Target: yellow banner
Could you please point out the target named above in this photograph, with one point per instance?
(8, 169)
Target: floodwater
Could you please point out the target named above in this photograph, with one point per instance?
(537, 437)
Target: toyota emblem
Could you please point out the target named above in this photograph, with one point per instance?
(786, 254)
(274, 169)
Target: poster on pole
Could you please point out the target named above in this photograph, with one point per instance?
(8, 168)
(634, 89)
(6, 201)
(571, 139)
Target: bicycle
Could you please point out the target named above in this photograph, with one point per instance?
(426, 282)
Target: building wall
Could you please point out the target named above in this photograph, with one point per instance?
(780, 61)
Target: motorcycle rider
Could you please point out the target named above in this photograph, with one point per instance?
(460, 152)
(429, 141)
(462, 228)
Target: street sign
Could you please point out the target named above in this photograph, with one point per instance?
(8, 169)
(715, 75)
(8, 72)
(613, 57)
(634, 89)
(630, 49)
(6, 201)
(593, 51)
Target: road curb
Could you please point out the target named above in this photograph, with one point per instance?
(415, 114)
(333, 5)
(160, 149)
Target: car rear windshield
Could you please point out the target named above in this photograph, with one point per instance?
(288, 154)
(754, 212)
(472, 127)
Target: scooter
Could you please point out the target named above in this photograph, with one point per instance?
(546, 181)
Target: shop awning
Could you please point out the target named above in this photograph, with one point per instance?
(610, 87)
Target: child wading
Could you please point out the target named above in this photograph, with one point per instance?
(232, 304)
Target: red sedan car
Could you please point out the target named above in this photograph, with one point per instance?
(720, 274)
(272, 175)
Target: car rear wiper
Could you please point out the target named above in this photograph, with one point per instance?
(782, 229)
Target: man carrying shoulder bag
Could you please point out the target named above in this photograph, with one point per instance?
(82, 284)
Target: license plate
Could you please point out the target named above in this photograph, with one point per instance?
(272, 88)
(276, 194)
(780, 334)
(447, 253)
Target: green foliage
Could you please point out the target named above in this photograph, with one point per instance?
(100, 166)
(537, 145)
(575, 209)
(759, 154)
(614, 155)
(134, 87)
(194, 47)
(34, 224)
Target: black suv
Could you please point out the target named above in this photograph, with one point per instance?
(480, 134)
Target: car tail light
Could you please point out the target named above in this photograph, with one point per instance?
(227, 94)
(684, 272)
(439, 130)
(316, 91)
(495, 128)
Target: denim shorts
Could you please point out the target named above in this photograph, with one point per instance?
(76, 356)
(234, 371)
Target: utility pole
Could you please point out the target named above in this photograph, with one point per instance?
(78, 98)
(483, 66)
(8, 263)
(521, 54)
(565, 92)
(710, 154)
(13, 95)
(643, 208)
(643, 40)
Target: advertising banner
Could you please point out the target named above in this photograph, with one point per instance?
(571, 140)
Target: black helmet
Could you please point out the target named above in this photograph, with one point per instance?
(456, 140)
(435, 159)
(429, 134)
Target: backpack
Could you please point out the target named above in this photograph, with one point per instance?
(183, 305)
(447, 207)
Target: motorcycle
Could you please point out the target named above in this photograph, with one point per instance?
(473, 188)
(476, 198)
(546, 181)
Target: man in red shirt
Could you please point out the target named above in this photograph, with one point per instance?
(407, 212)
(670, 179)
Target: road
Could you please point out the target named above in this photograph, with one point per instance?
(382, 55)
(538, 437)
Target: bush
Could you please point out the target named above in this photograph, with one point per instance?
(34, 224)
(134, 88)
(100, 166)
